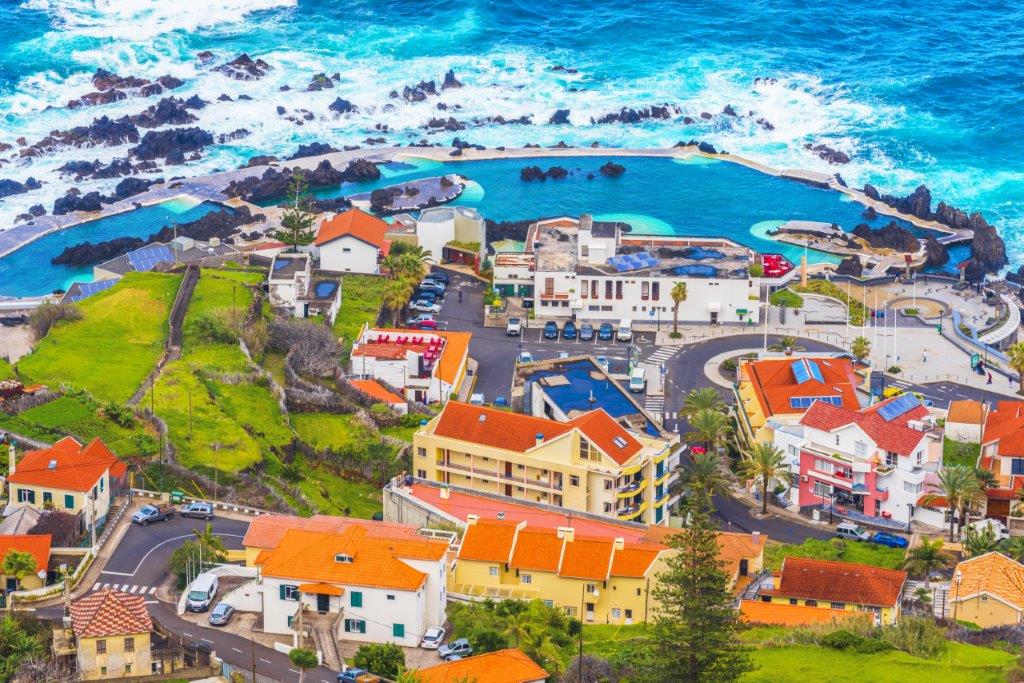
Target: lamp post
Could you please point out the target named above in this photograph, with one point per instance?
(910, 515)
(958, 579)
(583, 599)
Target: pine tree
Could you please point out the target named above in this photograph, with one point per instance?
(694, 634)
(297, 220)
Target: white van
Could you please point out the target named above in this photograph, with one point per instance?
(625, 332)
(998, 528)
(638, 380)
(202, 593)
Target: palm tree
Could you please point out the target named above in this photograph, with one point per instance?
(923, 596)
(303, 659)
(1016, 355)
(208, 539)
(960, 488)
(705, 398)
(18, 564)
(709, 426)
(980, 540)
(787, 345)
(678, 295)
(17, 645)
(1014, 547)
(860, 348)
(763, 461)
(704, 472)
(417, 251)
(926, 557)
(517, 627)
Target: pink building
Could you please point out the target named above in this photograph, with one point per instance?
(879, 462)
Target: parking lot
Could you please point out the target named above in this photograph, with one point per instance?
(496, 352)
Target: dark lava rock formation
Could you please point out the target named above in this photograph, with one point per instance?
(612, 170)
(450, 81)
(829, 154)
(560, 117)
(244, 68)
(313, 149)
(892, 236)
(630, 115)
(12, 187)
(103, 131)
(273, 184)
(342, 106)
(157, 144)
(531, 173)
(850, 266)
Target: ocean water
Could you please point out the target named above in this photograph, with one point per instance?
(913, 92)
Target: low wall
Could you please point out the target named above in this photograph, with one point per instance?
(217, 505)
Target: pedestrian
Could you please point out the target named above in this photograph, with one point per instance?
(989, 378)
(460, 296)
(924, 356)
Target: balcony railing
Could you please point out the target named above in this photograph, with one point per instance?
(631, 512)
(630, 488)
(545, 484)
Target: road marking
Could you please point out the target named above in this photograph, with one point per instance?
(117, 573)
(267, 661)
(133, 589)
(152, 590)
(294, 671)
(187, 634)
(236, 649)
(106, 586)
(152, 602)
(96, 586)
(169, 540)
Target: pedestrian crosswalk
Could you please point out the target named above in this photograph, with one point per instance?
(654, 404)
(134, 589)
(662, 355)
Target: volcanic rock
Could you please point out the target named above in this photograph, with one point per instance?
(273, 184)
(170, 82)
(869, 213)
(108, 80)
(37, 210)
(12, 187)
(449, 124)
(564, 69)
(987, 249)
(937, 254)
(151, 89)
(94, 99)
(342, 106)
(313, 149)
(170, 111)
(729, 111)
(236, 134)
(85, 253)
(244, 68)
(612, 170)
(93, 201)
(195, 102)
(320, 82)
(102, 131)
(832, 156)
(559, 118)
(156, 144)
(917, 203)
(892, 236)
(450, 81)
(765, 123)
(850, 265)
(629, 115)
(419, 92)
(870, 192)
(260, 160)
(359, 171)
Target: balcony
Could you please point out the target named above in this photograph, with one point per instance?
(464, 468)
(631, 512)
(663, 477)
(630, 489)
(882, 494)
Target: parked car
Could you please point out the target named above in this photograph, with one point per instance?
(551, 330)
(221, 614)
(638, 380)
(432, 284)
(153, 513)
(476, 400)
(500, 402)
(458, 648)
(852, 532)
(569, 330)
(586, 332)
(200, 509)
(424, 306)
(428, 294)
(514, 327)
(202, 593)
(432, 638)
(356, 675)
(525, 357)
(998, 528)
(606, 332)
(423, 321)
(439, 277)
(891, 540)
(625, 332)
(603, 362)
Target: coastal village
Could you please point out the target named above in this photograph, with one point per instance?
(322, 423)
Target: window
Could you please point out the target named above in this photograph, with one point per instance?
(609, 484)
(574, 480)
(607, 289)
(343, 558)
(607, 508)
(102, 483)
(398, 630)
(655, 293)
(101, 647)
(616, 613)
(792, 450)
(287, 592)
(422, 474)
(127, 668)
(837, 439)
(357, 600)
(549, 285)
(390, 597)
(346, 250)
(525, 578)
(629, 614)
(590, 588)
(860, 449)
(584, 449)
(984, 598)
(584, 290)
(355, 626)
(593, 289)
(891, 459)
(638, 592)
(422, 452)
(290, 620)
(549, 603)
(822, 489)
(837, 605)
(492, 571)
(47, 497)
(913, 488)
(69, 501)
(811, 603)
(103, 671)
(129, 645)
(1016, 466)
(26, 496)
(645, 290)
(618, 289)
(826, 466)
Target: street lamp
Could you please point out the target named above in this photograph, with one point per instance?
(958, 579)
(583, 599)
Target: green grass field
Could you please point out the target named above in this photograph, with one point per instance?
(6, 370)
(956, 453)
(326, 430)
(114, 346)
(332, 494)
(846, 551)
(220, 290)
(361, 299)
(962, 663)
(78, 416)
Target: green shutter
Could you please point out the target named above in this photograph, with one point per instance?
(357, 599)
(283, 591)
(290, 618)
(398, 630)
(47, 497)
(32, 496)
(69, 501)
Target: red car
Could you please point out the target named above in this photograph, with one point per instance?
(422, 322)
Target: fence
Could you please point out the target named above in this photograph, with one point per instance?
(217, 504)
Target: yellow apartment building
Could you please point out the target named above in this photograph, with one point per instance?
(112, 635)
(589, 463)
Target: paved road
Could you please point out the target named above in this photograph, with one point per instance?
(139, 565)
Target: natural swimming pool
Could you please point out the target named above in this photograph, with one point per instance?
(28, 271)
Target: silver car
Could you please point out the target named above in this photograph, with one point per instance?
(221, 614)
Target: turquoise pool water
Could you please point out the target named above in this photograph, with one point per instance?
(28, 271)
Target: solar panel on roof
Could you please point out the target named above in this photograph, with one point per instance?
(898, 406)
(806, 401)
(87, 289)
(147, 258)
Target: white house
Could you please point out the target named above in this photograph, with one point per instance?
(360, 586)
(292, 285)
(965, 421)
(597, 270)
(436, 227)
(353, 241)
(878, 463)
(429, 366)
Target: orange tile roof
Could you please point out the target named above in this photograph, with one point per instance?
(489, 540)
(499, 428)
(377, 561)
(891, 435)
(995, 574)
(110, 613)
(374, 389)
(781, 614)
(774, 383)
(828, 581)
(538, 550)
(1005, 424)
(587, 558)
(732, 546)
(266, 531)
(503, 666)
(320, 588)
(356, 223)
(603, 430)
(454, 352)
(77, 468)
(454, 355)
(635, 560)
(36, 545)
(966, 412)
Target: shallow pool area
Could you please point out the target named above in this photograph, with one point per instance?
(28, 272)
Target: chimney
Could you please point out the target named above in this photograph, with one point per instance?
(11, 458)
(540, 438)
(620, 543)
(472, 519)
(755, 534)
(566, 533)
(586, 222)
(445, 493)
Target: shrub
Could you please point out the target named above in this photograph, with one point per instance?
(119, 414)
(214, 329)
(383, 659)
(917, 636)
(47, 314)
(841, 640)
(894, 370)
(729, 365)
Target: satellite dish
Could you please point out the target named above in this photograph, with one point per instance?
(41, 574)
